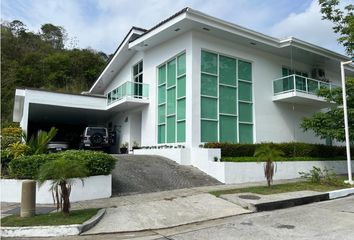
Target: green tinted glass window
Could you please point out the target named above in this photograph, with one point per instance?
(209, 131)
(209, 108)
(227, 70)
(246, 133)
(162, 74)
(181, 64)
(171, 73)
(181, 86)
(244, 70)
(171, 101)
(228, 129)
(209, 85)
(244, 91)
(245, 112)
(209, 62)
(181, 109)
(227, 100)
(285, 72)
(162, 94)
(181, 131)
(171, 129)
(161, 133)
(162, 113)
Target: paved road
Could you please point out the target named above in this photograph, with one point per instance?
(142, 174)
(330, 220)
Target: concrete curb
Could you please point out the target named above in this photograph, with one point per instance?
(340, 193)
(52, 231)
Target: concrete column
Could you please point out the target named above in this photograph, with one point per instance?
(28, 198)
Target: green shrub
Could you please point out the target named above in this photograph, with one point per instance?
(27, 167)
(319, 176)
(289, 149)
(10, 135)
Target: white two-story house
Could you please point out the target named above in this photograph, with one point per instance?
(193, 79)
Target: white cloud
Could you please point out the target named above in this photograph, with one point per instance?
(308, 26)
(102, 24)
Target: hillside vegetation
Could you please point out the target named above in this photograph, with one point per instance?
(47, 59)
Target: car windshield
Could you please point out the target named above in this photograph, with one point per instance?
(91, 131)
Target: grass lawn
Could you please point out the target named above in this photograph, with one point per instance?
(255, 159)
(287, 187)
(57, 218)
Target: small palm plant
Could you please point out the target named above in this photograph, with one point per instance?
(38, 143)
(268, 154)
(61, 173)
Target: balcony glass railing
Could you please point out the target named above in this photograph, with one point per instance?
(128, 89)
(297, 83)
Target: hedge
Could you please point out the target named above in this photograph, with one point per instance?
(289, 149)
(27, 167)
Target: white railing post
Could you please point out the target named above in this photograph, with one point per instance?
(306, 86)
(294, 82)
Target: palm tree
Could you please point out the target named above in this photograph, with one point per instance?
(268, 154)
(61, 173)
(38, 143)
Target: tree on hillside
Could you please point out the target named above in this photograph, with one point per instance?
(40, 60)
(55, 35)
(343, 22)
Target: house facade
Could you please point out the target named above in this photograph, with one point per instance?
(193, 79)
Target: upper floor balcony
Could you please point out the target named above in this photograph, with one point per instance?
(128, 95)
(299, 89)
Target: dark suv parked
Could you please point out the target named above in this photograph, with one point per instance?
(94, 138)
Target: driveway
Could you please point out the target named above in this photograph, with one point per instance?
(142, 174)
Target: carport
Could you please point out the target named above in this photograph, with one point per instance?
(69, 113)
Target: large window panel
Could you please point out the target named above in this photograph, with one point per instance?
(246, 133)
(181, 64)
(209, 85)
(227, 100)
(209, 131)
(245, 112)
(209, 62)
(171, 101)
(171, 129)
(161, 133)
(181, 109)
(244, 70)
(227, 70)
(209, 108)
(181, 131)
(171, 73)
(228, 129)
(162, 74)
(162, 94)
(161, 113)
(245, 91)
(181, 86)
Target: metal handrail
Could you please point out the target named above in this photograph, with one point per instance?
(293, 79)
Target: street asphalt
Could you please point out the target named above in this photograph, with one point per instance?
(327, 220)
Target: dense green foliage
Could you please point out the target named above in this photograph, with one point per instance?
(10, 135)
(343, 22)
(50, 219)
(331, 123)
(289, 149)
(43, 60)
(281, 159)
(27, 167)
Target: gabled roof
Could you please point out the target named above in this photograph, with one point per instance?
(193, 18)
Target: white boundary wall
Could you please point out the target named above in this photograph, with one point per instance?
(239, 172)
(94, 187)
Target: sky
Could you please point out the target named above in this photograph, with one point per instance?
(102, 24)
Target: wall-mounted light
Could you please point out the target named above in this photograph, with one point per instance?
(253, 43)
(177, 29)
(206, 29)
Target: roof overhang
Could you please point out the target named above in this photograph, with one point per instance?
(189, 19)
(120, 57)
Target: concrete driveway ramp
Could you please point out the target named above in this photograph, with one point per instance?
(165, 214)
(146, 173)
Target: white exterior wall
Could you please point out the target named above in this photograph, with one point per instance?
(276, 122)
